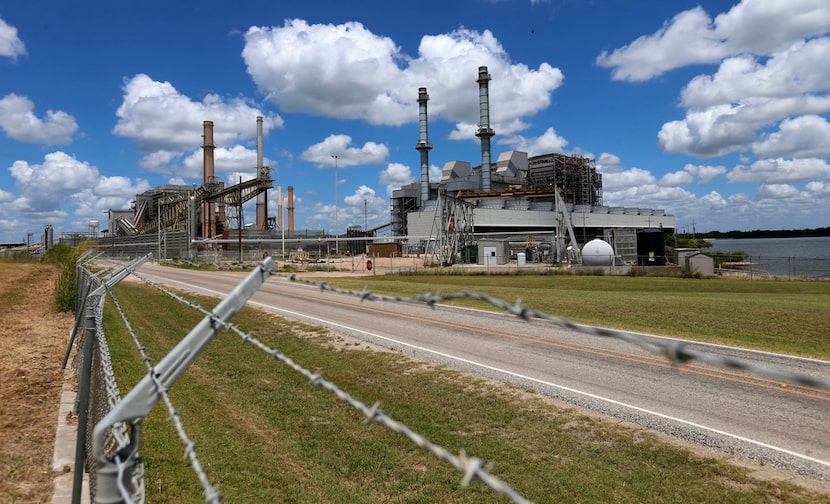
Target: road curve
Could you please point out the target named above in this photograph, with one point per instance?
(759, 419)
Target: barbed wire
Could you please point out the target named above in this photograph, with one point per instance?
(471, 468)
(675, 351)
(211, 495)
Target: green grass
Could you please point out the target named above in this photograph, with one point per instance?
(777, 316)
(265, 434)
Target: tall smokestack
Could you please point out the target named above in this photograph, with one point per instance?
(280, 211)
(423, 144)
(290, 210)
(208, 174)
(261, 198)
(484, 131)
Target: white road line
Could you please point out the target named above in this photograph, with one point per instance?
(529, 378)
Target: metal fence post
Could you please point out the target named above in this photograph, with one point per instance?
(113, 475)
(83, 401)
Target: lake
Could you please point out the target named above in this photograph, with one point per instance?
(788, 257)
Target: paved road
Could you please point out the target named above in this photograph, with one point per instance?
(783, 426)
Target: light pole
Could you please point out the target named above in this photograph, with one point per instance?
(336, 206)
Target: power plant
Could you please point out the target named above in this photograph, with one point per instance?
(529, 208)
(541, 206)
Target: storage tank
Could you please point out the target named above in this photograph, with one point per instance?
(651, 247)
(597, 253)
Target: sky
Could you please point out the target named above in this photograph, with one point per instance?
(716, 111)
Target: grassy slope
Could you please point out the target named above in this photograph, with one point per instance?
(265, 434)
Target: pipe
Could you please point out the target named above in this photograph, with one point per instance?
(484, 131)
(423, 144)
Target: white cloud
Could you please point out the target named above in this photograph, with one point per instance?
(772, 67)
(10, 44)
(692, 37)
(370, 153)
(608, 161)
(705, 174)
(687, 39)
(226, 161)
(45, 190)
(804, 137)
(120, 186)
(633, 177)
(799, 69)
(546, 143)
(364, 208)
(165, 123)
(779, 171)
(18, 120)
(777, 191)
(714, 200)
(435, 173)
(818, 188)
(347, 72)
(675, 179)
(394, 176)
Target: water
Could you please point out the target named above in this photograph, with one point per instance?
(787, 257)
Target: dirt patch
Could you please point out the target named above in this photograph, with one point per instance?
(33, 339)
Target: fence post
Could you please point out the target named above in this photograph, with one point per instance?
(139, 401)
(87, 306)
(83, 400)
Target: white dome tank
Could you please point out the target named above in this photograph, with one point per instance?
(597, 253)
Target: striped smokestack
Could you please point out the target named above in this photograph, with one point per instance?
(208, 175)
(484, 131)
(261, 198)
(423, 144)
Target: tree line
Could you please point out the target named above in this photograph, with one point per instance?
(759, 233)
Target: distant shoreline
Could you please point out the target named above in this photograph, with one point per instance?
(781, 233)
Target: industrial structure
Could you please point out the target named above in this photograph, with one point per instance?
(542, 206)
(171, 218)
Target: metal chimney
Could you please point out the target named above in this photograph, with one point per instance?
(484, 131)
(290, 210)
(261, 198)
(280, 210)
(209, 177)
(423, 144)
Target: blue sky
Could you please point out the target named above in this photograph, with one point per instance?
(716, 111)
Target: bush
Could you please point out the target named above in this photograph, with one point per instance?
(65, 257)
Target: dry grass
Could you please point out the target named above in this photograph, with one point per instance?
(33, 338)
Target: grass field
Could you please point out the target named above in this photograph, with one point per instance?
(778, 316)
(265, 434)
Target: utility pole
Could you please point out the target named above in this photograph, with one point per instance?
(240, 220)
(336, 207)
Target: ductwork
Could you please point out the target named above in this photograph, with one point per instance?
(484, 131)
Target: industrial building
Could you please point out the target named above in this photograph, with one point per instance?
(534, 208)
(542, 206)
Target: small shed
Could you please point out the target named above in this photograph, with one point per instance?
(699, 263)
(493, 252)
(390, 249)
